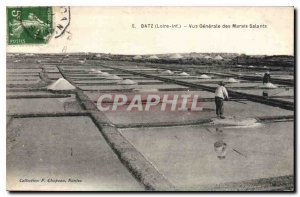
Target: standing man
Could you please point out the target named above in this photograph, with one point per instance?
(220, 95)
(267, 77)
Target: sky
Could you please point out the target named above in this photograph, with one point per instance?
(109, 30)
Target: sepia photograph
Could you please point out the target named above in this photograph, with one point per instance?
(150, 98)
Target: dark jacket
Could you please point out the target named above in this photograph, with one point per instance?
(266, 78)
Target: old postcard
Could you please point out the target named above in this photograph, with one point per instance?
(150, 98)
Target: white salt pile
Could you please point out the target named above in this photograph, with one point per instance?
(98, 71)
(114, 77)
(61, 84)
(232, 80)
(270, 86)
(239, 66)
(218, 57)
(176, 56)
(104, 74)
(250, 66)
(167, 72)
(137, 57)
(204, 76)
(153, 57)
(184, 74)
(127, 82)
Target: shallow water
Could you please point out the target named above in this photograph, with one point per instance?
(186, 155)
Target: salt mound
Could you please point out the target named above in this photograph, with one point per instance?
(127, 82)
(250, 66)
(153, 57)
(168, 72)
(207, 57)
(61, 84)
(204, 76)
(233, 121)
(115, 77)
(232, 80)
(137, 57)
(270, 86)
(218, 57)
(98, 71)
(176, 56)
(104, 74)
(183, 74)
(239, 66)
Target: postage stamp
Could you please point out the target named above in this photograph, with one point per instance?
(29, 25)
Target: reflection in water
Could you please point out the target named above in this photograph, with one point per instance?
(265, 94)
(220, 149)
(220, 146)
(69, 103)
(219, 131)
